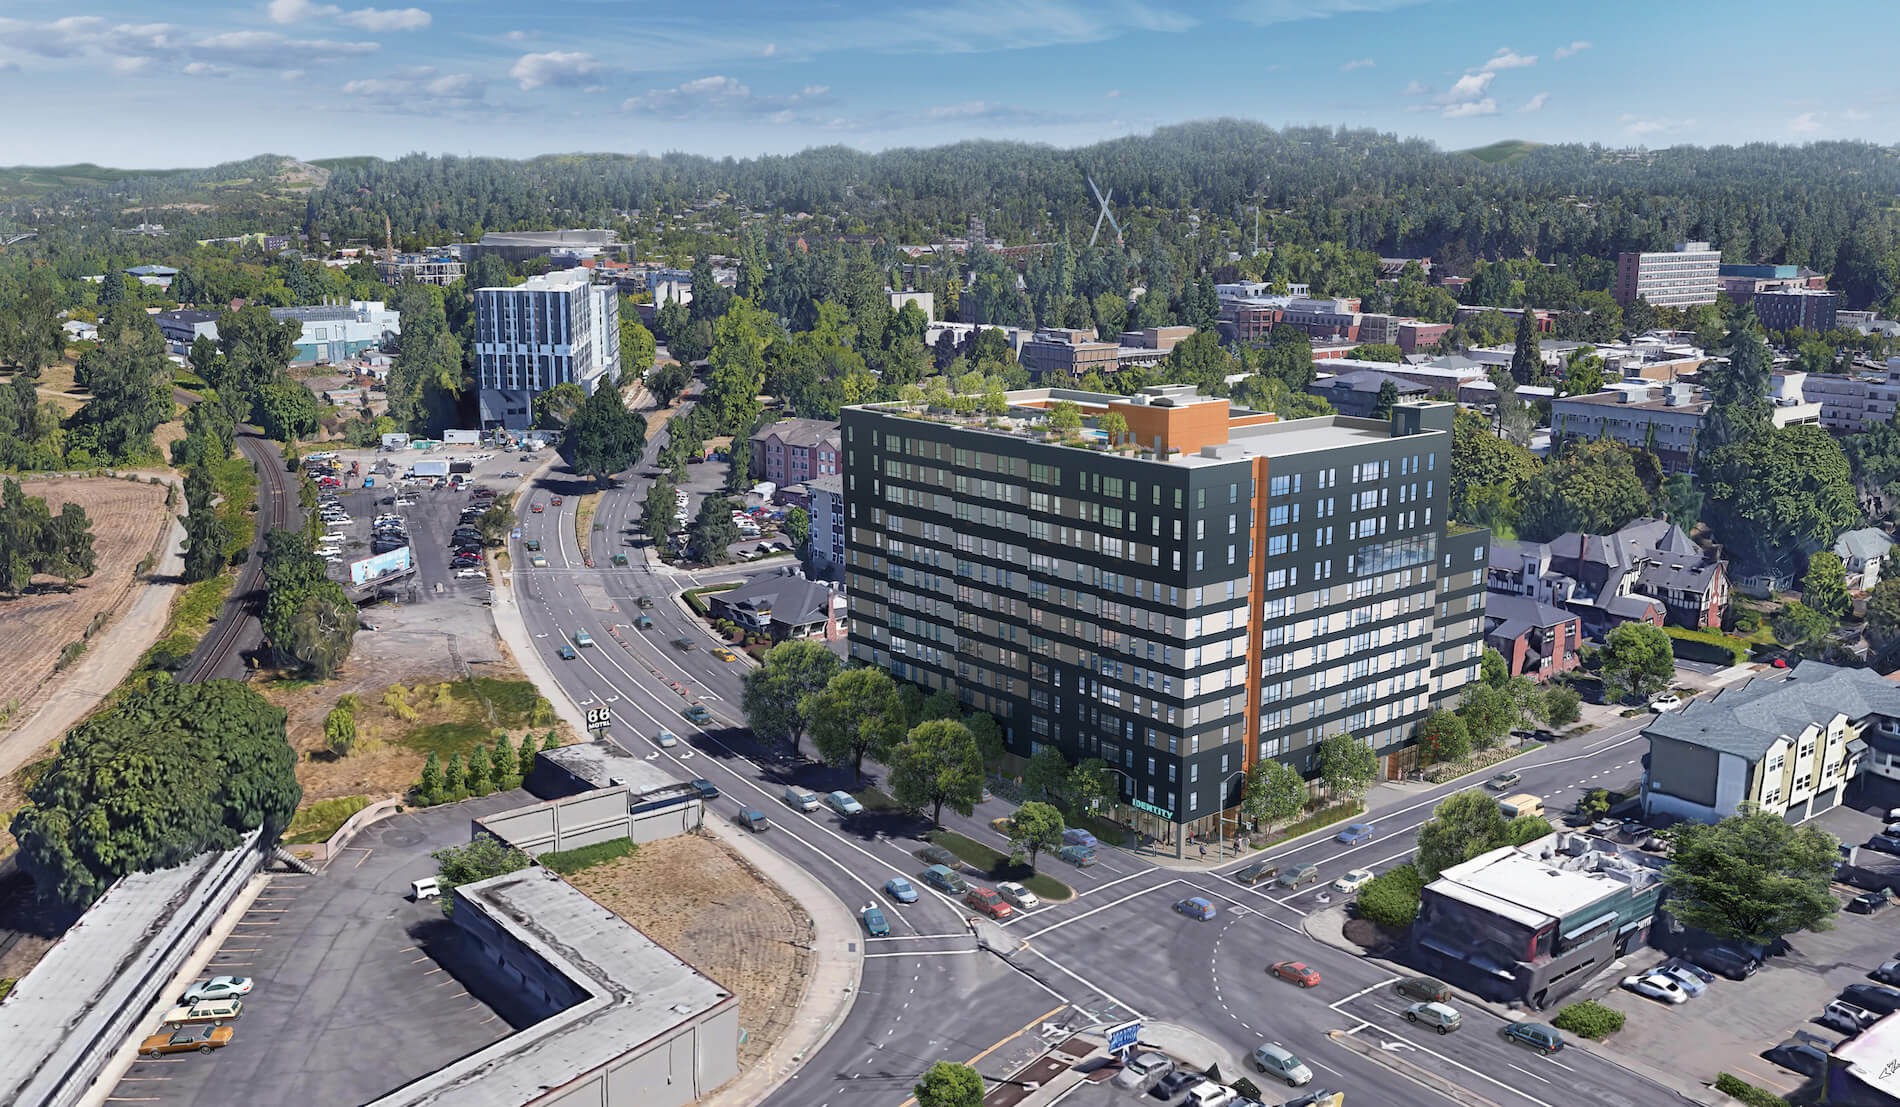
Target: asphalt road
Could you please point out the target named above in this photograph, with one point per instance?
(928, 993)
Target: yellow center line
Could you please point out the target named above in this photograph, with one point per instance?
(1027, 1027)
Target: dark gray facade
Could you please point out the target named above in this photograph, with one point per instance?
(1178, 618)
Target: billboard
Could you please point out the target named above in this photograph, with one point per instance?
(381, 565)
(462, 437)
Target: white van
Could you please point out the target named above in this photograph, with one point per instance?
(799, 799)
(427, 888)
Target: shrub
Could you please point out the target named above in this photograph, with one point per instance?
(1589, 1019)
(570, 861)
(1707, 645)
(1392, 897)
(67, 655)
(1737, 1088)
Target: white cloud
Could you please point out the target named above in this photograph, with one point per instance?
(268, 49)
(464, 86)
(769, 49)
(1268, 12)
(1469, 87)
(1113, 94)
(1569, 51)
(295, 11)
(1486, 106)
(554, 68)
(386, 19)
(1650, 125)
(1536, 103)
(206, 69)
(516, 36)
(1856, 115)
(1507, 58)
(135, 47)
(419, 93)
(1357, 63)
(131, 65)
(291, 75)
(719, 95)
(1804, 124)
(1416, 89)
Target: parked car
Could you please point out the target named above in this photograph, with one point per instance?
(1502, 782)
(1668, 701)
(1209, 1094)
(800, 799)
(707, 789)
(1295, 971)
(1656, 985)
(1848, 1018)
(218, 987)
(1298, 877)
(1172, 1085)
(1257, 872)
(753, 820)
(844, 803)
(987, 902)
(937, 855)
(1868, 903)
(1887, 973)
(1423, 988)
(1321, 1098)
(1355, 833)
(1884, 843)
(944, 880)
(1801, 1057)
(1536, 1035)
(1195, 907)
(1276, 1060)
(1016, 895)
(900, 890)
(1687, 977)
(1727, 961)
(874, 922)
(201, 1037)
(217, 1012)
(1142, 1070)
(1079, 856)
(1438, 1016)
(1873, 997)
(1353, 881)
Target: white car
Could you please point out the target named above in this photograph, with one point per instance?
(469, 574)
(1668, 702)
(1016, 895)
(1353, 881)
(1656, 986)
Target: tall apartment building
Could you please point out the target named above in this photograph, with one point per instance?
(1673, 278)
(1784, 309)
(554, 329)
(1231, 587)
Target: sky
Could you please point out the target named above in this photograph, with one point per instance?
(194, 82)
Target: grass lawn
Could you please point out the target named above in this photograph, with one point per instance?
(454, 717)
(996, 865)
(570, 861)
(321, 819)
(875, 799)
(583, 520)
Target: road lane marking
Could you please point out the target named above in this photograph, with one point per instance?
(925, 953)
(1090, 985)
(1098, 910)
(1529, 1073)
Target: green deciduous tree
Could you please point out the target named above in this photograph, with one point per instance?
(1779, 494)
(1591, 487)
(1481, 458)
(164, 774)
(130, 381)
(637, 346)
(554, 407)
(1273, 792)
(1392, 897)
(1046, 774)
(1388, 396)
(738, 366)
(659, 512)
(1490, 711)
(255, 349)
(1462, 826)
(856, 713)
(1378, 351)
(1680, 501)
(775, 692)
(1035, 827)
(482, 858)
(1346, 765)
(936, 765)
(1797, 624)
(1443, 737)
(603, 437)
(798, 529)
(948, 1084)
(285, 409)
(339, 731)
(1883, 611)
(1752, 878)
(1089, 784)
(1824, 586)
(427, 376)
(1636, 661)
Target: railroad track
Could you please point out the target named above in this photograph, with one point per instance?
(273, 514)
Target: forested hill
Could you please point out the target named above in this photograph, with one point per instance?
(1359, 188)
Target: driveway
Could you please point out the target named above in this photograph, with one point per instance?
(357, 989)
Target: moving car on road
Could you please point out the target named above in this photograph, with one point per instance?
(753, 820)
(698, 714)
(1536, 1035)
(844, 803)
(1275, 1060)
(1195, 907)
(1502, 782)
(1079, 856)
(684, 645)
(567, 652)
(1257, 872)
(874, 922)
(1355, 833)
(900, 890)
(724, 654)
(582, 638)
(1295, 971)
(1297, 877)
(666, 739)
(1076, 836)
(1353, 881)
(707, 789)
(1438, 1016)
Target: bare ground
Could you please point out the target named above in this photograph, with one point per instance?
(702, 901)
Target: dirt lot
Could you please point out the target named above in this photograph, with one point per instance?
(708, 906)
(127, 520)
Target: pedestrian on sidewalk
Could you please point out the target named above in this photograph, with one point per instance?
(1203, 850)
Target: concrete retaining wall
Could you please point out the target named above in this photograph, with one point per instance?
(601, 815)
(320, 853)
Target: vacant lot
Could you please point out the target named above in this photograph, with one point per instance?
(704, 903)
(127, 520)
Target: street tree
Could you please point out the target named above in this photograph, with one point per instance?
(603, 436)
(1047, 774)
(162, 775)
(798, 529)
(1636, 662)
(1490, 711)
(483, 857)
(1752, 878)
(1462, 826)
(659, 512)
(948, 1084)
(556, 406)
(1797, 625)
(937, 764)
(1346, 765)
(1273, 791)
(1824, 586)
(1089, 784)
(857, 713)
(1443, 737)
(637, 347)
(1035, 827)
(775, 691)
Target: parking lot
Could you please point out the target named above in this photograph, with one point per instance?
(356, 990)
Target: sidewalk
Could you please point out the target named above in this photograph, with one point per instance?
(1328, 926)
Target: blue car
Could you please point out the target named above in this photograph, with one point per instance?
(1355, 834)
(900, 890)
(874, 923)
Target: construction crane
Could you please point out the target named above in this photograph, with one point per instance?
(1106, 214)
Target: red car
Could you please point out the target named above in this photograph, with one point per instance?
(988, 902)
(556, 501)
(537, 509)
(1296, 971)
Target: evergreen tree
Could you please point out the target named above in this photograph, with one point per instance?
(453, 786)
(525, 759)
(503, 766)
(1738, 392)
(205, 533)
(1526, 364)
(429, 788)
(475, 774)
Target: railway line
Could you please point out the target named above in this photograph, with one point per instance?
(246, 602)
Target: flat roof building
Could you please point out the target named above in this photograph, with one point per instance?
(1682, 277)
(1214, 587)
(553, 329)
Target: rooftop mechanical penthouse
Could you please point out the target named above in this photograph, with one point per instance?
(1165, 581)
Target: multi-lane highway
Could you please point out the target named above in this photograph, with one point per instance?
(929, 992)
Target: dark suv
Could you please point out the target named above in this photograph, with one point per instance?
(1730, 962)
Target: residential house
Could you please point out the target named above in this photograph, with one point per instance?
(1538, 640)
(1649, 571)
(1356, 393)
(783, 605)
(1863, 553)
(1788, 747)
(793, 451)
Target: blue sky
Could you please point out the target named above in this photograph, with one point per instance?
(191, 82)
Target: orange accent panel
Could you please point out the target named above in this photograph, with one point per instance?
(1256, 656)
(1178, 428)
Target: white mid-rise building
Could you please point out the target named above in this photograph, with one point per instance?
(553, 329)
(1681, 277)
